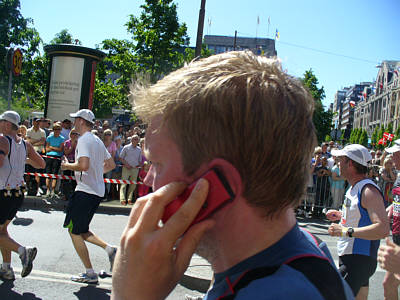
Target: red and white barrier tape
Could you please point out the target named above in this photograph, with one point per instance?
(53, 157)
(106, 180)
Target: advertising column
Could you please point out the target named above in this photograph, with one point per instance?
(72, 77)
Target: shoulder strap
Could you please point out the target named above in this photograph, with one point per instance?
(317, 270)
(10, 142)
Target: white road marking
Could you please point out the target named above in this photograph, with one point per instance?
(62, 278)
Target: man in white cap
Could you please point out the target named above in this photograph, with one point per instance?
(390, 252)
(363, 220)
(91, 161)
(14, 152)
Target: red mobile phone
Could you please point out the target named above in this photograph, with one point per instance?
(219, 193)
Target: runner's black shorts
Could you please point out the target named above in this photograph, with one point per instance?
(356, 270)
(80, 210)
(9, 205)
(53, 165)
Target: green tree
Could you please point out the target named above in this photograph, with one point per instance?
(389, 128)
(397, 133)
(159, 39)
(16, 31)
(380, 135)
(114, 74)
(363, 140)
(64, 37)
(205, 52)
(373, 138)
(322, 119)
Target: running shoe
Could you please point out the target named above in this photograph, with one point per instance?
(27, 259)
(111, 258)
(7, 274)
(86, 278)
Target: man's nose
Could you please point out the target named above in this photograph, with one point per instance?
(149, 179)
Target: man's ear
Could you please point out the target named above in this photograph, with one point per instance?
(230, 173)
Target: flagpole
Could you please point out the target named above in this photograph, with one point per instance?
(269, 23)
(258, 23)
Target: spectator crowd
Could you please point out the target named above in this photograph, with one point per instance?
(326, 186)
(55, 140)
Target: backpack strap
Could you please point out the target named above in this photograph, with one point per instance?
(317, 270)
(10, 142)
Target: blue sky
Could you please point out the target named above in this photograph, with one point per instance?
(341, 40)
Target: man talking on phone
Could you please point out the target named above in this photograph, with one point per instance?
(197, 117)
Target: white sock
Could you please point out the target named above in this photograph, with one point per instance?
(109, 249)
(21, 250)
(89, 271)
(5, 266)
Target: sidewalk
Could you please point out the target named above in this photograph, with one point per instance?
(197, 276)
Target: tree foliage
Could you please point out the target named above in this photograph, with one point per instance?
(322, 119)
(363, 140)
(17, 31)
(159, 40)
(64, 37)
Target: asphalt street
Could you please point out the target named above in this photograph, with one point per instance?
(57, 261)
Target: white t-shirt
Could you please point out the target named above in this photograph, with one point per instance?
(91, 181)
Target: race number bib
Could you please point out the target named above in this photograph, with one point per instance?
(346, 206)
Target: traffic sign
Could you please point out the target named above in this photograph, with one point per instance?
(17, 62)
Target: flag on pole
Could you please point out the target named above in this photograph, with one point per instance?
(382, 141)
(388, 136)
(277, 35)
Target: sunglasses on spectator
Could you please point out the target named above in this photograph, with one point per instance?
(75, 133)
(107, 134)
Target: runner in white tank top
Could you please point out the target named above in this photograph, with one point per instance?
(13, 155)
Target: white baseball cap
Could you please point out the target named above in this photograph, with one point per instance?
(86, 114)
(11, 116)
(394, 148)
(355, 152)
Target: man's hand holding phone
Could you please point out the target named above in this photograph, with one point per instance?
(150, 255)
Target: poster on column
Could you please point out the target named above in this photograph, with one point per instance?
(65, 87)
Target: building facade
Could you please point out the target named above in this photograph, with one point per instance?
(382, 101)
(345, 103)
(259, 46)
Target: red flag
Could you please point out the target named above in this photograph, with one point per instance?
(381, 85)
(382, 142)
(388, 136)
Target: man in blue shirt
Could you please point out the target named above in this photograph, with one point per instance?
(197, 117)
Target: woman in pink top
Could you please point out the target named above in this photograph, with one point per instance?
(112, 149)
(68, 185)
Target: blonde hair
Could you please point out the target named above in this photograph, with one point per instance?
(317, 149)
(22, 128)
(210, 106)
(388, 158)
